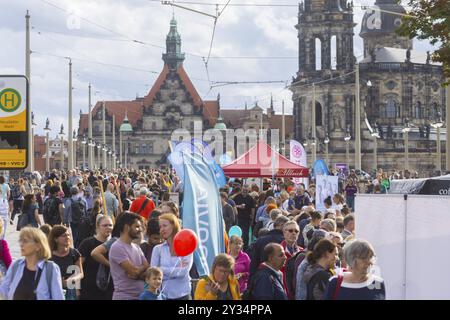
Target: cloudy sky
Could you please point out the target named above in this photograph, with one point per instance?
(116, 45)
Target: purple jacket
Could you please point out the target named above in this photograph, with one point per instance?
(242, 265)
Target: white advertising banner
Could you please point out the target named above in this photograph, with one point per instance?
(325, 186)
(297, 155)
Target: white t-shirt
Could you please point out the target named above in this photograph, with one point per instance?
(4, 188)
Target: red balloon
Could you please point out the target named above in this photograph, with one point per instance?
(185, 242)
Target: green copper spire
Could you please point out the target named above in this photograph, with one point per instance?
(173, 56)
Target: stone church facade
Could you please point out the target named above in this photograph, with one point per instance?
(397, 84)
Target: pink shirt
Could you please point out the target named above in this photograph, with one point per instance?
(242, 265)
(5, 256)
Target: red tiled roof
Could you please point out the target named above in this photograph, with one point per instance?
(235, 118)
(189, 86)
(118, 108)
(148, 99)
(211, 111)
(275, 123)
(135, 108)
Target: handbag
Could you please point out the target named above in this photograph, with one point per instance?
(23, 221)
(103, 277)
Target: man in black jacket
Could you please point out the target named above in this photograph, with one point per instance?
(268, 281)
(274, 236)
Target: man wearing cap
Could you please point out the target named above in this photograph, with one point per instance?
(143, 206)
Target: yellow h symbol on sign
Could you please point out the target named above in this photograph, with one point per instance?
(10, 100)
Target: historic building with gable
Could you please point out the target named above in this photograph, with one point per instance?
(172, 103)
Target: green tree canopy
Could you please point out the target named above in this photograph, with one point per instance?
(430, 20)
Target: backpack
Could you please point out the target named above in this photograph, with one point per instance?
(16, 194)
(291, 271)
(78, 209)
(51, 212)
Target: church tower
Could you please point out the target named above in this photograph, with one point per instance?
(325, 35)
(378, 28)
(173, 56)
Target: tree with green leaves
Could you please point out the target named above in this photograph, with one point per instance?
(430, 19)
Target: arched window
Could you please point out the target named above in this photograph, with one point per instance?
(418, 110)
(333, 52)
(392, 108)
(318, 114)
(434, 110)
(318, 54)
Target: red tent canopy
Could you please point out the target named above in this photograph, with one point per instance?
(261, 161)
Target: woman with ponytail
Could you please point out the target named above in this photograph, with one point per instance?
(321, 262)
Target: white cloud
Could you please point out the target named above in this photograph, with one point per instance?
(240, 31)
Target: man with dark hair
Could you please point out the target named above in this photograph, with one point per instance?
(53, 210)
(268, 281)
(127, 261)
(314, 224)
(301, 199)
(227, 212)
(349, 226)
(246, 212)
(273, 236)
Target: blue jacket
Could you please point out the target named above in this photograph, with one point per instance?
(268, 284)
(43, 291)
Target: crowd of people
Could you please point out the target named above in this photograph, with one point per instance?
(90, 235)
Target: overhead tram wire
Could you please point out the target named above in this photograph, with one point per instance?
(131, 39)
(95, 62)
(363, 7)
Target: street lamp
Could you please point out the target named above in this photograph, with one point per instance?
(33, 126)
(376, 135)
(74, 147)
(47, 152)
(110, 158)
(326, 141)
(406, 130)
(61, 135)
(438, 125)
(99, 159)
(347, 142)
(305, 145)
(83, 145)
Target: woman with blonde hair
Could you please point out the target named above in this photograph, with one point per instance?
(33, 277)
(221, 284)
(176, 280)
